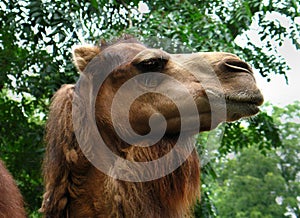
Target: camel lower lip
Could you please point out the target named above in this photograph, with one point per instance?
(234, 105)
(237, 110)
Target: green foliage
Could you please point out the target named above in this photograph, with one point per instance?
(260, 131)
(249, 184)
(20, 147)
(252, 184)
(36, 38)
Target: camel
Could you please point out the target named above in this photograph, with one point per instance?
(84, 182)
(11, 201)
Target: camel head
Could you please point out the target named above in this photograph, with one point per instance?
(152, 90)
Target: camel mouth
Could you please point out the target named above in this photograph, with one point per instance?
(253, 101)
(234, 105)
(218, 108)
(246, 103)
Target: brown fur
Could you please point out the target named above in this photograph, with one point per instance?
(11, 201)
(69, 175)
(75, 188)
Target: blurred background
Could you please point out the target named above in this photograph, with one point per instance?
(250, 168)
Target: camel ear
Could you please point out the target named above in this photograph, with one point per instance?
(82, 55)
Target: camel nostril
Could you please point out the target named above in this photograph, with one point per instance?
(236, 65)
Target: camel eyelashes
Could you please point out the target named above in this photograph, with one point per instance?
(151, 65)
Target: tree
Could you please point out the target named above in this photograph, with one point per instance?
(252, 184)
(288, 121)
(249, 185)
(36, 37)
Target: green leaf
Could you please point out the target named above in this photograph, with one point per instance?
(94, 4)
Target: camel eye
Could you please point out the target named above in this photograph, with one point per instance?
(151, 65)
